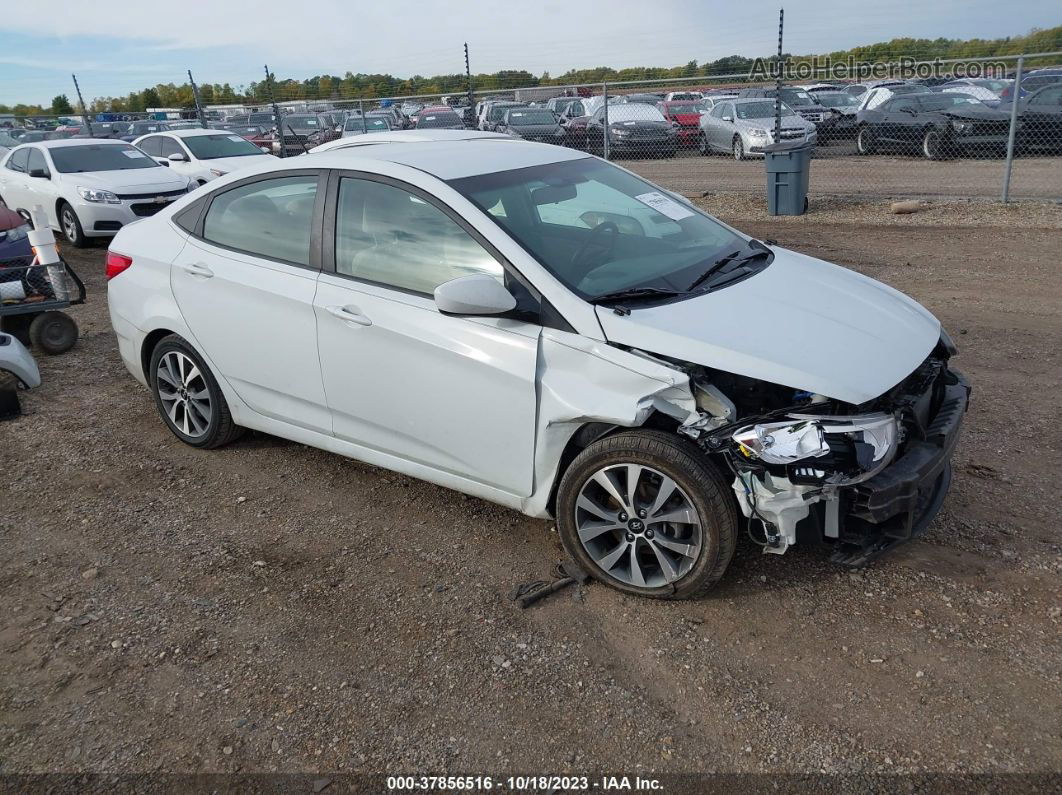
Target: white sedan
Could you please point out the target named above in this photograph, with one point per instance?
(537, 327)
(203, 155)
(88, 187)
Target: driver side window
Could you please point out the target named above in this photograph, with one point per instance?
(717, 111)
(169, 146)
(389, 236)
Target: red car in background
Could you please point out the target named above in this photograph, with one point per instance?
(257, 135)
(686, 114)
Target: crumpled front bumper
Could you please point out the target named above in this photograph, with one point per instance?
(16, 360)
(899, 502)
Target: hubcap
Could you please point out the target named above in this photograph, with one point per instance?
(638, 525)
(737, 149)
(69, 225)
(184, 394)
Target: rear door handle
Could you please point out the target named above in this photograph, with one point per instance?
(349, 314)
(198, 269)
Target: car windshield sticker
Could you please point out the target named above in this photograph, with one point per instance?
(629, 124)
(665, 206)
(235, 138)
(133, 153)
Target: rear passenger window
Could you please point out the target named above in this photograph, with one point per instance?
(17, 161)
(270, 218)
(152, 145)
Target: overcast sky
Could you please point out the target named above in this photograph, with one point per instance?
(116, 47)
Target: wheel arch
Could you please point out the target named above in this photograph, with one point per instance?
(151, 342)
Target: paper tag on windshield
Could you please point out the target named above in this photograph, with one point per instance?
(236, 138)
(133, 153)
(665, 206)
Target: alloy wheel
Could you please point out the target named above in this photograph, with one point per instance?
(638, 525)
(739, 148)
(184, 394)
(69, 224)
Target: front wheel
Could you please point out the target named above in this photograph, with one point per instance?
(644, 512)
(738, 148)
(71, 224)
(702, 145)
(933, 145)
(188, 396)
(865, 143)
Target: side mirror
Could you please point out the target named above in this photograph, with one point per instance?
(177, 157)
(475, 294)
(39, 173)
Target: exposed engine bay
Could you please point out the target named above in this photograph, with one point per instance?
(810, 469)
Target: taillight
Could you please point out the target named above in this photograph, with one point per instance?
(116, 263)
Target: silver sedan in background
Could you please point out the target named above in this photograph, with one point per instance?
(744, 127)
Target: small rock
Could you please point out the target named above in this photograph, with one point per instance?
(440, 588)
(241, 499)
(497, 660)
(919, 674)
(227, 750)
(507, 664)
(259, 564)
(906, 207)
(116, 644)
(275, 745)
(90, 574)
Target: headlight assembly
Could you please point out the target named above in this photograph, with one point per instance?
(855, 447)
(98, 196)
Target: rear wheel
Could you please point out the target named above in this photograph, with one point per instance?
(702, 144)
(53, 332)
(645, 513)
(71, 225)
(188, 396)
(738, 148)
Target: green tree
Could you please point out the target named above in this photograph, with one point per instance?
(61, 106)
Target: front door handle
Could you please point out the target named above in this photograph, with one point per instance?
(349, 314)
(198, 269)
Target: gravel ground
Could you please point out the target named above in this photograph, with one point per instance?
(272, 607)
(837, 171)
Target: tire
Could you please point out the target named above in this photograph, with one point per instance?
(703, 547)
(71, 226)
(702, 145)
(179, 394)
(866, 144)
(738, 148)
(53, 332)
(933, 145)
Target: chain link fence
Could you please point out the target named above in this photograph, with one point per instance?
(984, 128)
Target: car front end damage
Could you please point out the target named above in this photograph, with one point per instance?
(859, 479)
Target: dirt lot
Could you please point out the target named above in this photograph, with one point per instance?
(272, 607)
(838, 170)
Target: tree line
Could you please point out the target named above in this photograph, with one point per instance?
(369, 86)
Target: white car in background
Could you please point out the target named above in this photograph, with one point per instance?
(202, 155)
(88, 187)
(540, 328)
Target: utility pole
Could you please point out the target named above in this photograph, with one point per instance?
(198, 102)
(468, 76)
(84, 113)
(778, 82)
(276, 110)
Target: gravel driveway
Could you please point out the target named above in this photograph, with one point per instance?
(272, 607)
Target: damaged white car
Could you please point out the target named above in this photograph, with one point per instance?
(543, 329)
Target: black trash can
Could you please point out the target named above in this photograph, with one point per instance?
(788, 169)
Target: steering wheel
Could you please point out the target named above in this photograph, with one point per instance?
(592, 240)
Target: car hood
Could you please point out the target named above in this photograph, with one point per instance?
(638, 124)
(535, 129)
(975, 113)
(768, 124)
(800, 322)
(228, 164)
(133, 180)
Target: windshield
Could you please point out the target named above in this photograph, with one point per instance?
(441, 119)
(599, 229)
(99, 157)
(497, 112)
(521, 117)
(302, 122)
(837, 100)
(143, 128)
(355, 124)
(7, 140)
(210, 147)
(759, 110)
(794, 97)
(942, 101)
(634, 111)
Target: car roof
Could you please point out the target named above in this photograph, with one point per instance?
(191, 132)
(453, 156)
